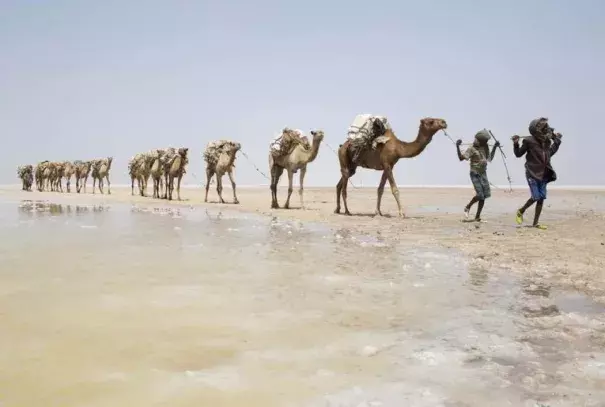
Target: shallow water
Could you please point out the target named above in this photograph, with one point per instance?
(157, 305)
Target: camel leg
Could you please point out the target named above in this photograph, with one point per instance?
(209, 174)
(94, 184)
(383, 180)
(178, 186)
(68, 185)
(170, 187)
(108, 185)
(132, 185)
(338, 192)
(166, 184)
(276, 173)
(219, 188)
(235, 200)
(301, 189)
(395, 191)
(345, 195)
(101, 185)
(85, 181)
(290, 188)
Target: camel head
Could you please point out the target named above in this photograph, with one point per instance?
(109, 161)
(318, 135)
(183, 152)
(233, 148)
(430, 125)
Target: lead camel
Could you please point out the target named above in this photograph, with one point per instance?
(383, 158)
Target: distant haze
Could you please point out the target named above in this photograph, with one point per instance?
(80, 80)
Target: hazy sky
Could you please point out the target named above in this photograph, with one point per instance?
(85, 79)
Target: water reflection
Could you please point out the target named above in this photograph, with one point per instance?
(41, 208)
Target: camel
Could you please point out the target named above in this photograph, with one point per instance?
(383, 158)
(157, 173)
(139, 168)
(48, 174)
(68, 170)
(100, 171)
(175, 164)
(220, 159)
(26, 174)
(56, 174)
(81, 173)
(296, 159)
(39, 172)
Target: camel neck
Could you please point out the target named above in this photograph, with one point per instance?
(414, 148)
(314, 150)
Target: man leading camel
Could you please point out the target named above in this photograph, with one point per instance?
(538, 149)
(478, 155)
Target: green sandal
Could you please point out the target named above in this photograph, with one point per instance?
(519, 217)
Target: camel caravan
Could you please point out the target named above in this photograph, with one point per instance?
(49, 175)
(370, 143)
(163, 166)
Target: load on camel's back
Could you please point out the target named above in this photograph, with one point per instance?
(366, 132)
(214, 149)
(285, 142)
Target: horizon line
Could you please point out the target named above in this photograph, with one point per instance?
(407, 186)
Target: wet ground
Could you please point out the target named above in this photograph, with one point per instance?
(145, 305)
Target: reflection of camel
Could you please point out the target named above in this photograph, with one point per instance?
(100, 171)
(26, 175)
(383, 158)
(296, 160)
(220, 159)
(81, 173)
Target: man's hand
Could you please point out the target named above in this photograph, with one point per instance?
(458, 143)
(558, 135)
(515, 139)
(497, 144)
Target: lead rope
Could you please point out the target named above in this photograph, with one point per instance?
(251, 163)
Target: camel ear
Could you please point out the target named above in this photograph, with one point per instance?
(313, 132)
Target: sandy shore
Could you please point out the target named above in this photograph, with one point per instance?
(569, 255)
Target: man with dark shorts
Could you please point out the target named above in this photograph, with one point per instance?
(538, 149)
(478, 155)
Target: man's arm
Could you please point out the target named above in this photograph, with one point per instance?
(461, 156)
(519, 150)
(555, 143)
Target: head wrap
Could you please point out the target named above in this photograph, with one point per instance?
(533, 126)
